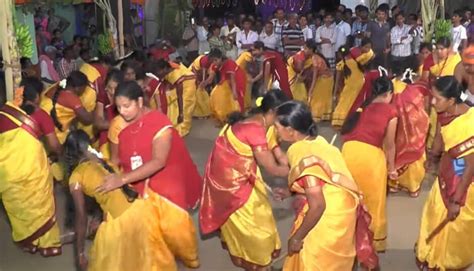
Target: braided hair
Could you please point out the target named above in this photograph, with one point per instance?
(381, 86)
(76, 146)
(32, 88)
(74, 80)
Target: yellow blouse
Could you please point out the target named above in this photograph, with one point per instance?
(88, 176)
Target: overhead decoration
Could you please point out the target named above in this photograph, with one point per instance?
(288, 5)
(214, 3)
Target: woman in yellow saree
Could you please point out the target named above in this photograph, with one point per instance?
(349, 70)
(367, 133)
(234, 199)
(297, 64)
(323, 236)
(246, 62)
(201, 69)
(184, 83)
(321, 84)
(26, 185)
(445, 62)
(137, 234)
(229, 94)
(412, 131)
(65, 106)
(96, 73)
(451, 200)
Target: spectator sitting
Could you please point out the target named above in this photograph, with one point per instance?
(58, 40)
(48, 73)
(67, 64)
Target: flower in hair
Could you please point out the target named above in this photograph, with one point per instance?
(18, 97)
(464, 96)
(95, 152)
(63, 83)
(359, 110)
(259, 101)
(343, 49)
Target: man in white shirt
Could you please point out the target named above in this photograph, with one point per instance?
(246, 37)
(202, 33)
(326, 36)
(279, 23)
(459, 31)
(400, 39)
(269, 38)
(230, 32)
(307, 32)
(344, 30)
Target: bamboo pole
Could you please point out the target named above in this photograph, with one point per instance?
(9, 49)
(120, 28)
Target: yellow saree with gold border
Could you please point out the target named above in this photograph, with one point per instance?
(452, 247)
(330, 245)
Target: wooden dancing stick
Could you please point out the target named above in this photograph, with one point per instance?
(437, 230)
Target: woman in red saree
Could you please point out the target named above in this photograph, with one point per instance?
(167, 167)
(412, 131)
(228, 95)
(234, 199)
(273, 68)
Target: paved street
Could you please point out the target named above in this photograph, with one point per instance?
(403, 220)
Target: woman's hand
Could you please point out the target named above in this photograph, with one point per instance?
(112, 182)
(280, 193)
(393, 175)
(453, 210)
(82, 261)
(294, 246)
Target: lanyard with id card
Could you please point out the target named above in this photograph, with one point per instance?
(136, 161)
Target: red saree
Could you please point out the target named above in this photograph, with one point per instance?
(413, 124)
(228, 181)
(230, 67)
(279, 70)
(366, 90)
(158, 88)
(179, 180)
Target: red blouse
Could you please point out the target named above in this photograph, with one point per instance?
(252, 134)
(229, 67)
(372, 124)
(179, 180)
(279, 70)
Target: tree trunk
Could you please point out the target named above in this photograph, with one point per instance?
(120, 27)
(9, 49)
(151, 17)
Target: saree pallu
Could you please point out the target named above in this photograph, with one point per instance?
(189, 104)
(451, 248)
(150, 235)
(331, 244)
(235, 201)
(96, 77)
(411, 134)
(321, 100)
(222, 102)
(368, 166)
(352, 86)
(26, 189)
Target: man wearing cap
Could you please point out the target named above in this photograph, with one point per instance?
(464, 72)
